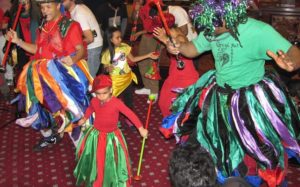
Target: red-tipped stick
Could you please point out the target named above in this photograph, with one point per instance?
(3, 64)
(180, 63)
(162, 16)
(138, 176)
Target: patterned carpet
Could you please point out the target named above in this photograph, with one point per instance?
(53, 167)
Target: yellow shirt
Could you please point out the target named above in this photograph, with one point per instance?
(119, 61)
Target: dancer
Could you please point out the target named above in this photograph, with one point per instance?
(55, 89)
(118, 66)
(149, 15)
(178, 79)
(241, 111)
(102, 154)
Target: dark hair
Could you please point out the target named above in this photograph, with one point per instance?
(191, 165)
(116, 3)
(34, 12)
(78, 2)
(107, 44)
(236, 182)
(154, 11)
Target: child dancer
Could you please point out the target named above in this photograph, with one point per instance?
(178, 78)
(102, 153)
(118, 66)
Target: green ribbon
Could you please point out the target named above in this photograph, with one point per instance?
(86, 168)
(264, 124)
(236, 154)
(30, 86)
(115, 172)
(182, 99)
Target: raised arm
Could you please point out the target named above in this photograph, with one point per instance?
(187, 49)
(132, 117)
(29, 47)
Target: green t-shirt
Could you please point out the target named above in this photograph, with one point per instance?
(242, 65)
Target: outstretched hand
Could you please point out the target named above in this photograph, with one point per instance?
(282, 60)
(154, 55)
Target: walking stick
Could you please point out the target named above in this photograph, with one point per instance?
(180, 63)
(3, 64)
(138, 176)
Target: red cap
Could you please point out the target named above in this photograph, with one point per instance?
(101, 81)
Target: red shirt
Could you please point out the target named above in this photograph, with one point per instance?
(1, 17)
(50, 43)
(107, 114)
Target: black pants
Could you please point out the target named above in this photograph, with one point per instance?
(127, 96)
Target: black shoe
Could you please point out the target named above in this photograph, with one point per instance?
(41, 145)
(44, 142)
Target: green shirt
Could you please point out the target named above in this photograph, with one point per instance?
(242, 65)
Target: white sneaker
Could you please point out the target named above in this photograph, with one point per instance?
(143, 91)
(154, 101)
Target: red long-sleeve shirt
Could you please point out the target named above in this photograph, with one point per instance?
(107, 114)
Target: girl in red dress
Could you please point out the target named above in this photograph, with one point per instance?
(102, 153)
(178, 78)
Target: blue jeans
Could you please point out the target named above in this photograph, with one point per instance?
(94, 60)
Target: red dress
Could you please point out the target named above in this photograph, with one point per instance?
(177, 79)
(103, 158)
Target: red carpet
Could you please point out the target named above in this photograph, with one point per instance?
(20, 166)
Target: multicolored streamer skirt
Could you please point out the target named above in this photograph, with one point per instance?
(260, 122)
(103, 159)
(51, 87)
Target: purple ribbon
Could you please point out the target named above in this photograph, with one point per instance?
(276, 92)
(245, 135)
(261, 134)
(276, 121)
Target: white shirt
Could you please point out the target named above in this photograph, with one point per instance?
(84, 16)
(182, 18)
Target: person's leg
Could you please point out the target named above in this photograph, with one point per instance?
(94, 60)
(147, 45)
(4, 89)
(128, 100)
(126, 95)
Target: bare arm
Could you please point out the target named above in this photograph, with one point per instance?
(289, 61)
(68, 60)
(187, 49)
(88, 36)
(142, 57)
(182, 45)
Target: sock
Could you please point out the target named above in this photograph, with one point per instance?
(46, 133)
